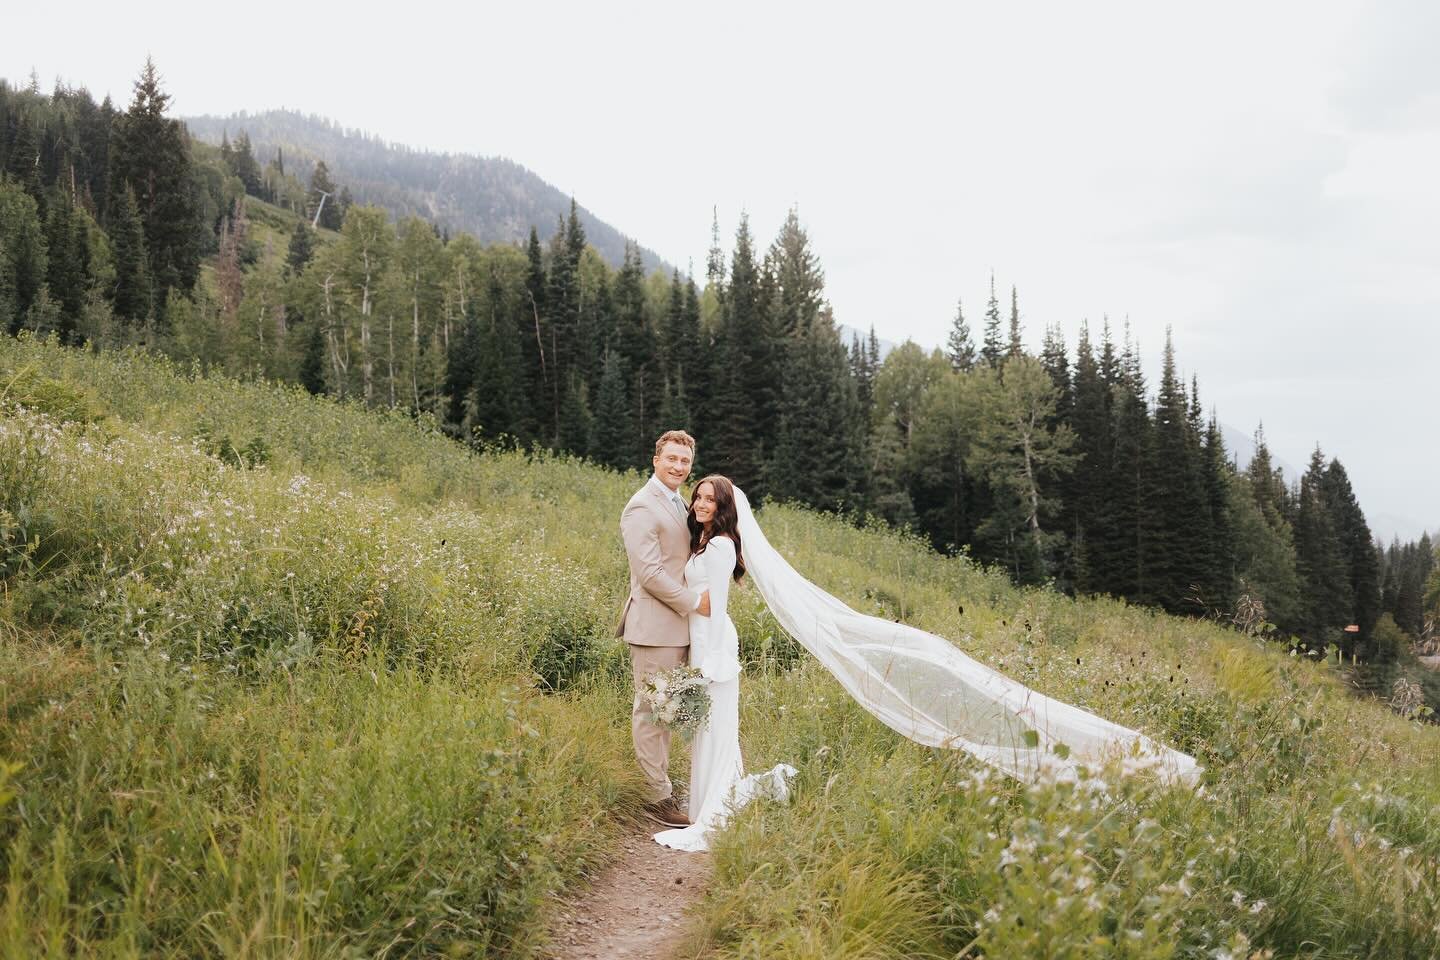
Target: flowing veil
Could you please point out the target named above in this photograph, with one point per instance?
(926, 689)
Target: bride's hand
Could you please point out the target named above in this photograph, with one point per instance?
(704, 608)
(719, 669)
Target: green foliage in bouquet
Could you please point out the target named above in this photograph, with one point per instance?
(679, 700)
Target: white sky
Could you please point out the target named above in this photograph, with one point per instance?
(1261, 177)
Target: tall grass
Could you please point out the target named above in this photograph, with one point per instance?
(353, 693)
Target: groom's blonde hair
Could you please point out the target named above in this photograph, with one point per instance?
(674, 436)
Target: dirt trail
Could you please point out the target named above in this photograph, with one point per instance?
(635, 908)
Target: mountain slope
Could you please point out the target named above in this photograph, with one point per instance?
(496, 199)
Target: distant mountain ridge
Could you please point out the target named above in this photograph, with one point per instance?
(494, 198)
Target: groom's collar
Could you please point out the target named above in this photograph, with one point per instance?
(660, 485)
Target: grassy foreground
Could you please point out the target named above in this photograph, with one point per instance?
(282, 677)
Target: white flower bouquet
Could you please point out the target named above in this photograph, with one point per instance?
(679, 700)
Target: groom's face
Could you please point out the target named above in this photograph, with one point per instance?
(673, 463)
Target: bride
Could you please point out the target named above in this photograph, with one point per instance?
(914, 682)
(717, 776)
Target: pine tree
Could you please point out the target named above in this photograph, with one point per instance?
(817, 425)
(696, 374)
(1267, 482)
(742, 377)
(674, 412)
(23, 161)
(1417, 561)
(496, 397)
(684, 353)
(1130, 520)
(133, 294)
(959, 346)
(1217, 564)
(993, 350)
(461, 365)
(302, 248)
(23, 258)
(715, 259)
(577, 424)
(1357, 550)
(534, 332)
(567, 347)
(1056, 361)
(1326, 598)
(1089, 491)
(800, 283)
(68, 245)
(1390, 590)
(864, 374)
(312, 362)
(639, 351)
(612, 440)
(1016, 347)
(151, 155)
(1178, 544)
(244, 165)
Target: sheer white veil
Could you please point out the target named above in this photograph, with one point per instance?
(924, 688)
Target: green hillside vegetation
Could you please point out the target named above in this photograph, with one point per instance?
(281, 676)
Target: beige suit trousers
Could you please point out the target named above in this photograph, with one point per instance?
(652, 743)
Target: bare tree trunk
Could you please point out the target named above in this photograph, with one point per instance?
(367, 363)
(1027, 433)
(415, 342)
(391, 349)
(336, 341)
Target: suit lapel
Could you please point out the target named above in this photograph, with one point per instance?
(668, 508)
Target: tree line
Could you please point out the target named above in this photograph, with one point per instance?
(1062, 466)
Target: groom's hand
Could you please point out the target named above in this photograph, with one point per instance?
(704, 608)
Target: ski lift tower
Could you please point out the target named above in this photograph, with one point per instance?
(315, 223)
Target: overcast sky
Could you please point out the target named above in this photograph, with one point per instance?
(1260, 177)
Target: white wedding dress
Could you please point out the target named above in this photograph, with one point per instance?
(718, 784)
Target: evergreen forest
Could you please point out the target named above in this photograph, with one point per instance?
(1063, 466)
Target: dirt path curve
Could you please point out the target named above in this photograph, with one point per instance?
(635, 908)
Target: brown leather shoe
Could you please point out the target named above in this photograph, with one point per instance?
(667, 813)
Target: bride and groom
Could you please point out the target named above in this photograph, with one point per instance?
(683, 559)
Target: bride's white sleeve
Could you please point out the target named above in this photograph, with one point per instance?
(720, 662)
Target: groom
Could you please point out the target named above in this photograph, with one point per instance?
(657, 543)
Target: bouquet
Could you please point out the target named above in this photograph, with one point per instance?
(679, 700)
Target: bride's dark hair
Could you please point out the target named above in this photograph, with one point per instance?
(726, 520)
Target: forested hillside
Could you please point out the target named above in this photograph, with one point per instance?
(1064, 468)
(493, 199)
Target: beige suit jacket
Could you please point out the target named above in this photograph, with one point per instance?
(657, 543)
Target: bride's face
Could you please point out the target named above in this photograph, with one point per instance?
(704, 502)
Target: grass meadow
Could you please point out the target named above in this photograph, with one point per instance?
(282, 677)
